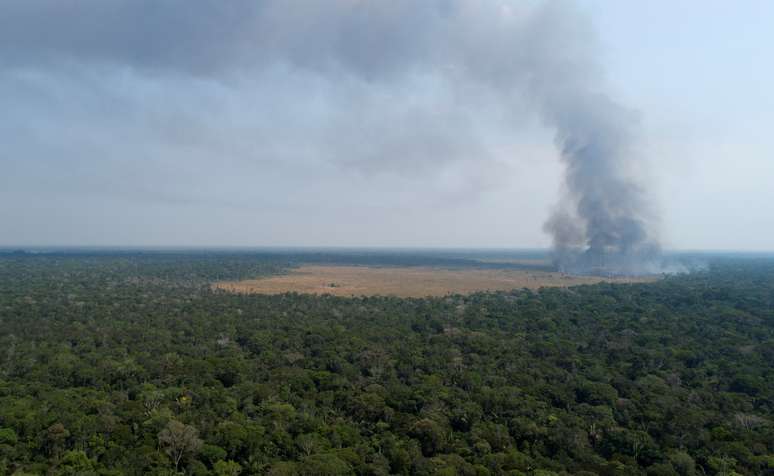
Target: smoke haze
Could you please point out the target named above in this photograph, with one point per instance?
(397, 112)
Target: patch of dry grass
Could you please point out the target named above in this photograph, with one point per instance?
(407, 281)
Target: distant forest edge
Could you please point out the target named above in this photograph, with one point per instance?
(199, 266)
(209, 265)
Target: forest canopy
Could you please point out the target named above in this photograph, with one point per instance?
(130, 363)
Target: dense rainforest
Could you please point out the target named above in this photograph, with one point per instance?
(129, 363)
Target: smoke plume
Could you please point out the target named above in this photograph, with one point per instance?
(603, 223)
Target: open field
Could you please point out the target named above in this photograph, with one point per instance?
(527, 262)
(407, 281)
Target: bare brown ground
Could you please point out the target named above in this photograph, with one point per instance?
(407, 281)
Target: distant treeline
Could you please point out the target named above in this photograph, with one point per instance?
(292, 257)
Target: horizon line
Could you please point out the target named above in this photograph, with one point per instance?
(185, 247)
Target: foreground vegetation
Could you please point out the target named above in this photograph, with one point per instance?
(131, 364)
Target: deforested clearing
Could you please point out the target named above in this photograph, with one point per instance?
(408, 281)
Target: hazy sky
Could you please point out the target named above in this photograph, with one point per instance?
(365, 122)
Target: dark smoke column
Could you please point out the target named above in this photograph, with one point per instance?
(602, 225)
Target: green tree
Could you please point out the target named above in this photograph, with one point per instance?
(179, 440)
(227, 468)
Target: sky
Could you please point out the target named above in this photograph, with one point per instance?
(374, 123)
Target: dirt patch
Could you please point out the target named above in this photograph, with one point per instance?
(407, 281)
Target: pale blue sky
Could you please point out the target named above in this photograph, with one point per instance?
(701, 74)
(171, 129)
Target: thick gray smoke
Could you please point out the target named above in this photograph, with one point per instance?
(603, 224)
(402, 85)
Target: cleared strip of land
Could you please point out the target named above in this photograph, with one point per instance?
(407, 281)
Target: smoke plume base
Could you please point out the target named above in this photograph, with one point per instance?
(595, 262)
